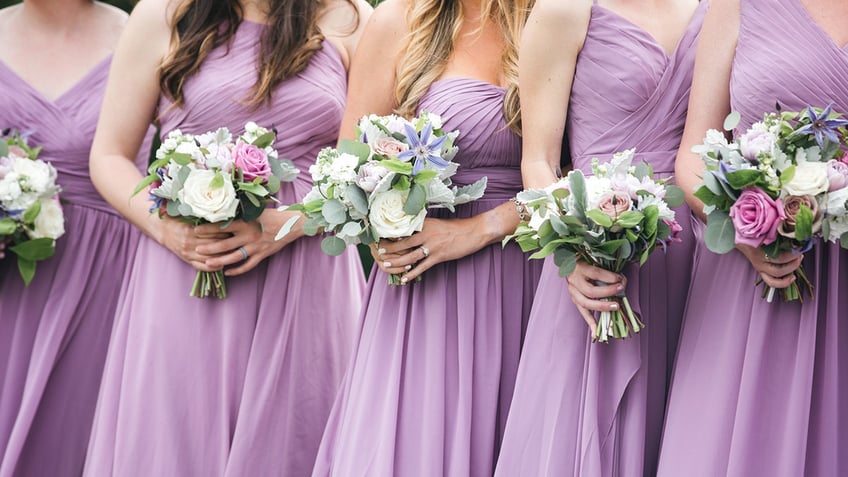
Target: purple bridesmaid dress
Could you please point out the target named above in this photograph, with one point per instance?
(761, 389)
(429, 387)
(587, 409)
(54, 333)
(241, 386)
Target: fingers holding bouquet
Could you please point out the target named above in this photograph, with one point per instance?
(777, 272)
(590, 287)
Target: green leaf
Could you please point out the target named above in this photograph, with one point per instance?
(732, 120)
(251, 198)
(26, 269)
(643, 170)
(273, 184)
(599, 218)
(803, 223)
(416, 199)
(358, 149)
(843, 240)
(548, 249)
(630, 218)
(652, 216)
(674, 196)
(35, 249)
(333, 245)
(357, 197)
(743, 178)
(218, 182)
(610, 247)
(181, 158)
(4, 149)
(401, 183)
(334, 212)
(311, 227)
(144, 183)
(265, 140)
(720, 236)
(577, 185)
(8, 226)
(287, 227)
(426, 175)
(787, 174)
(32, 212)
(250, 210)
(566, 260)
(395, 165)
(558, 225)
(706, 195)
(250, 187)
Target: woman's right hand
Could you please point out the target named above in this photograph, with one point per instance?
(776, 272)
(181, 239)
(588, 296)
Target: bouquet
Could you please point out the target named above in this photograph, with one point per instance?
(610, 219)
(31, 216)
(211, 178)
(778, 186)
(380, 186)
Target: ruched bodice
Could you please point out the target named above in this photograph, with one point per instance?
(628, 92)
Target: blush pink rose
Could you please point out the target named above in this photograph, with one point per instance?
(615, 203)
(252, 161)
(386, 146)
(756, 217)
(791, 206)
(837, 175)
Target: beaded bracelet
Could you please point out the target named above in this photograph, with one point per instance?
(521, 209)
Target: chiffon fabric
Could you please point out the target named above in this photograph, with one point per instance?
(55, 332)
(761, 389)
(587, 409)
(240, 386)
(431, 379)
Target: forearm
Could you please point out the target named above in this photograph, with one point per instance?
(115, 178)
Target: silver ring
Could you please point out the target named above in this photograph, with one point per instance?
(425, 251)
(766, 258)
(243, 253)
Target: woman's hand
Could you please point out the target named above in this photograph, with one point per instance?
(181, 239)
(588, 296)
(440, 240)
(776, 272)
(246, 243)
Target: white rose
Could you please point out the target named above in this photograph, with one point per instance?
(212, 204)
(388, 218)
(50, 221)
(810, 179)
(10, 190)
(35, 176)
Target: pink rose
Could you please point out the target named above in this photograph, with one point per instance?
(386, 146)
(791, 205)
(615, 203)
(754, 142)
(252, 161)
(756, 217)
(837, 175)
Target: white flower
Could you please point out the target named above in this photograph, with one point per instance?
(665, 213)
(596, 187)
(435, 120)
(214, 204)
(388, 218)
(757, 140)
(34, 176)
(50, 222)
(343, 168)
(810, 179)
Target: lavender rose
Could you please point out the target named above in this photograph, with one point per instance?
(386, 146)
(756, 217)
(791, 206)
(370, 174)
(755, 142)
(837, 175)
(252, 161)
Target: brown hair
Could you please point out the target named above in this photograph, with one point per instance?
(200, 26)
(433, 29)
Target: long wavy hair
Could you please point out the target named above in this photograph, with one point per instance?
(434, 27)
(200, 26)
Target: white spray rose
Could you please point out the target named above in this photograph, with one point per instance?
(388, 218)
(50, 221)
(810, 179)
(212, 204)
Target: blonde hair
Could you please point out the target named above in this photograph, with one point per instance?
(434, 26)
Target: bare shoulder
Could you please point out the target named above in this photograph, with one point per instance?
(563, 23)
(341, 18)
(377, 27)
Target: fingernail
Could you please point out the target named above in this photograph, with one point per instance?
(614, 306)
(408, 267)
(387, 264)
(381, 251)
(404, 280)
(620, 287)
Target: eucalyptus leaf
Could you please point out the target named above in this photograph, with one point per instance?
(566, 260)
(732, 120)
(333, 245)
(4, 148)
(577, 185)
(674, 196)
(351, 229)
(334, 212)
(311, 227)
(357, 197)
(416, 200)
(643, 170)
(720, 235)
(358, 149)
(287, 227)
(843, 240)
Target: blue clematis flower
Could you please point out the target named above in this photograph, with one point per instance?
(821, 126)
(423, 148)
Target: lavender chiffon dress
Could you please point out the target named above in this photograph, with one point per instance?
(429, 387)
(584, 409)
(241, 386)
(54, 333)
(761, 389)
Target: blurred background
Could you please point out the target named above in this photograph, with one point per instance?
(125, 4)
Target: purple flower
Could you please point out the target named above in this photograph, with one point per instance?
(821, 126)
(837, 175)
(756, 217)
(252, 161)
(423, 148)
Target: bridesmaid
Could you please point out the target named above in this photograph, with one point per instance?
(617, 78)
(761, 389)
(54, 59)
(432, 376)
(240, 386)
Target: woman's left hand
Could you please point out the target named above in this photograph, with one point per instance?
(249, 242)
(440, 240)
